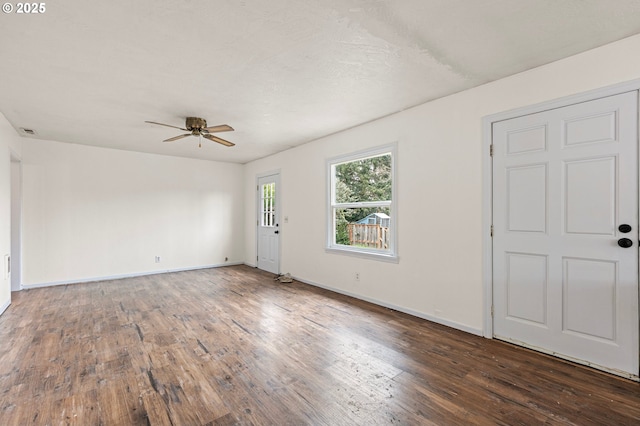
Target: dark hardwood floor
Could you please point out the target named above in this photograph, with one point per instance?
(232, 346)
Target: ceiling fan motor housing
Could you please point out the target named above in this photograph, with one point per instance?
(196, 123)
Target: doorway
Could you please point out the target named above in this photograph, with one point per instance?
(16, 224)
(565, 232)
(268, 222)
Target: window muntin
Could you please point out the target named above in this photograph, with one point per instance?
(361, 203)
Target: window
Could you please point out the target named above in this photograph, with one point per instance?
(268, 204)
(361, 204)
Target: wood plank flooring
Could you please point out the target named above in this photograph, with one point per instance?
(231, 346)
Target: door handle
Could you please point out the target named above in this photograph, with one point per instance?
(625, 242)
(624, 228)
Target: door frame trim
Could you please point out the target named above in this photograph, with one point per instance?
(16, 223)
(487, 177)
(275, 172)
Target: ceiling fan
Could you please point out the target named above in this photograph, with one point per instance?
(198, 127)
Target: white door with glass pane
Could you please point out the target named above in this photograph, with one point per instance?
(268, 224)
(565, 246)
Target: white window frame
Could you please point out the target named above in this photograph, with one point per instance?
(390, 255)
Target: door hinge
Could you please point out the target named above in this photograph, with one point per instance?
(492, 230)
(257, 187)
(491, 150)
(492, 310)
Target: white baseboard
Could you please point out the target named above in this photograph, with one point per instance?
(5, 306)
(442, 321)
(121, 276)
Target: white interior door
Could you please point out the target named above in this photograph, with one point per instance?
(268, 223)
(565, 181)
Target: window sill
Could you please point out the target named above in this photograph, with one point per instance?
(383, 257)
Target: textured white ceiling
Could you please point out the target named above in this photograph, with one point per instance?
(281, 72)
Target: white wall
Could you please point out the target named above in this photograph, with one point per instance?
(91, 213)
(10, 143)
(440, 159)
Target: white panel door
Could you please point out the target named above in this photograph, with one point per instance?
(268, 224)
(565, 180)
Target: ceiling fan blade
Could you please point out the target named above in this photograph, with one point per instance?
(219, 140)
(176, 138)
(219, 128)
(167, 125)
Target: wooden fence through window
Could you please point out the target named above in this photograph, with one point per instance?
(364, 235)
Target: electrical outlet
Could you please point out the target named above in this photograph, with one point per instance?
(357, 276)
(226, 259)
(157, 259)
